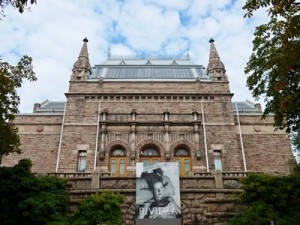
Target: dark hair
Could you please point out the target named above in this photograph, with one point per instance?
(154, 177)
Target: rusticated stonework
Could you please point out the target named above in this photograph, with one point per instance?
(130, 110)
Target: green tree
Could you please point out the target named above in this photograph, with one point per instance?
(274, 67)
(29, 199)
(269, 198)
(99, 209)
(18, 4)
(11, 78)
(295, 138)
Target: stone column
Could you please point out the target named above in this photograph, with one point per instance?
(167, 141)
(167, 134)
(132, 140)
(196, 133)
(102, 141)
(218, 179)
(103, 131)
(95, 184)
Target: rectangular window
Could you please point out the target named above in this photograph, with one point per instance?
(122, 167)
(186, 166)
(179, 166)
(217, 160)
(113, 167)
(81, 161)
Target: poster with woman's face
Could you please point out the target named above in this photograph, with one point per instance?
(158, 193)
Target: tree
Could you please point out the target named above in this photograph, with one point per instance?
(18, 4)
(274, 67)
(99, 209)
(11, 78)
(269, 198)
(295, 138)
(29, 199)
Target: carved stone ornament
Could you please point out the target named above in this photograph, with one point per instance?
(39, 128)
(198, 155)
(132, 155)
(257, 128)
(168, 155)
(101, 156)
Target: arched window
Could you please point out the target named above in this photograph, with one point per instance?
(150, 154)
(183, 157)
(117, 161)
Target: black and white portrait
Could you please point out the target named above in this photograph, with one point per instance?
(157, 191)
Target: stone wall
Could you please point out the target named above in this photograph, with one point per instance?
(200, 87)
(39, 137)
(266, 149)
(206, 198)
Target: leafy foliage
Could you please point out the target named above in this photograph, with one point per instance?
(99, 209)
(11, 78)
(295, 138)
(28, 199)
(18, 4)
(274, 67)
(269, 198)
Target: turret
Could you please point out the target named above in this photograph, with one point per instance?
(215, 69)
(82, 68)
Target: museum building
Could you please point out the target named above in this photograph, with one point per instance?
(136, 109)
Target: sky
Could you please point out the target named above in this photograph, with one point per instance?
(51, 32)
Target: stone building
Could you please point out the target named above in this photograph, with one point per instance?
(130, 110)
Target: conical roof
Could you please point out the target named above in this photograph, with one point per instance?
(83, 62)
(214, 59)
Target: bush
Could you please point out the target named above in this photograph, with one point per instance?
(28, 199)
(99, 209)
(269, 198)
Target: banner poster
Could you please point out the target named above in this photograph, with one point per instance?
(158, 193)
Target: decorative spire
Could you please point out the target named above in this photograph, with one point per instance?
(108, 53)
(187, 54)
(82, 68)
(215, 69)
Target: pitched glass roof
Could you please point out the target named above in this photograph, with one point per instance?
(245, 107)
(50, 107)
(149, 73)
(148, 69)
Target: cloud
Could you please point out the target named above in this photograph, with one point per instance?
(52, 34)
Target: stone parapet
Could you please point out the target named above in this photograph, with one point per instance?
(202, 200)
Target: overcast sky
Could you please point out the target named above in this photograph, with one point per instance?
(52, 33)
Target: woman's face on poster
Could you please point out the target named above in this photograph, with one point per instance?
(158, 191)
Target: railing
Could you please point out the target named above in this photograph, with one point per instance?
(202, 174)
(71, 175)
(195, 174)
(234, 174)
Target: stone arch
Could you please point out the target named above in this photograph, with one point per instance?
(186, 143)
(146, 142)
(113, 143)
(186, 214)
(128, 213)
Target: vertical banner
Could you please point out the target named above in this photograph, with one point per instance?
(158, 193)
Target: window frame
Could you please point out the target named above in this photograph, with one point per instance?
(150, 158)
(82, 161)
(181, 159)
(120, 160)
(218, 166)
